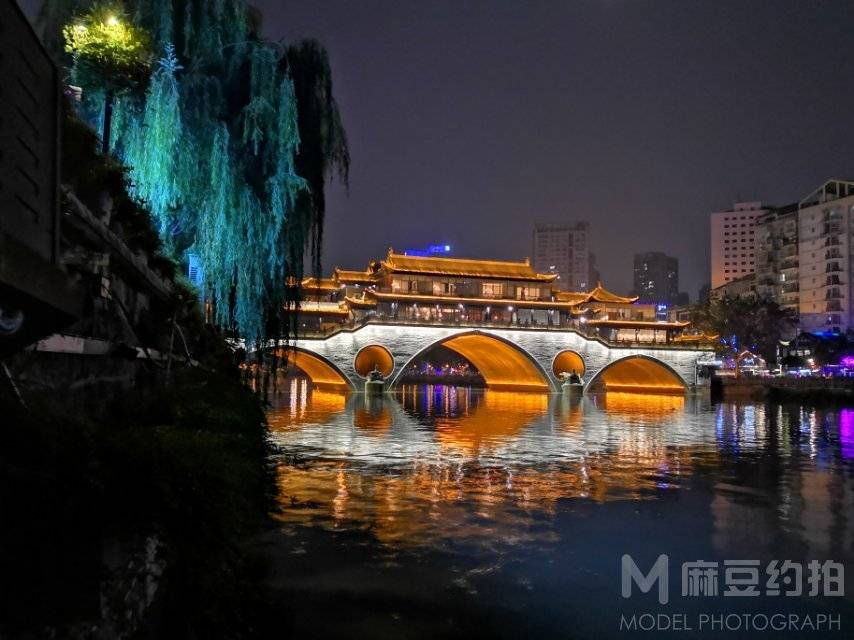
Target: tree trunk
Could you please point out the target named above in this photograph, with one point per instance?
(108, 122)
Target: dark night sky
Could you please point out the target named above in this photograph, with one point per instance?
(468, 121)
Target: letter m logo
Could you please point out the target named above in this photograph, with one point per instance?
(658, 573)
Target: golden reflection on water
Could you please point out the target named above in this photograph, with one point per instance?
(442, 501)
(455, 471)
(478, 429)
(567, 413)
(305, 405)
(372, 414)
(641, 405)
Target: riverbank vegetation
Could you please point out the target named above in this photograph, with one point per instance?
(139, 521)
(228, 138)
(745, 322)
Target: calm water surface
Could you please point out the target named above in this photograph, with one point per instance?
(447, 512)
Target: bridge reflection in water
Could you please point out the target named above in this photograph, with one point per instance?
(433, 461)
(441, 499)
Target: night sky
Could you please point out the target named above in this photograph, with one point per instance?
(468, 121)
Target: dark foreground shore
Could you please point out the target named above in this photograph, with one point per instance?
(137, 522)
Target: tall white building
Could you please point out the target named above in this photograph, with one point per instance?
(825, 227)
(563, 248)
(777, 261)
(733, 249)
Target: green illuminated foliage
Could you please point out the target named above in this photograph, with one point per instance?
(105, 46)
(229, 142)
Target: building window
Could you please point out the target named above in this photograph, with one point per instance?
(527, 293)
(491, 290)
(443, 288)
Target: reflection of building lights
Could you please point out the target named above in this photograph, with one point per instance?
(583, 320)
(509, 308)
(846, 433)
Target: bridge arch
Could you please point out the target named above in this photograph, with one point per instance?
(639, 373)
(373, 355)
(323, 373)
(503, 364)
(567, 361)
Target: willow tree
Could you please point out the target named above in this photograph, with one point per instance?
(229, 143)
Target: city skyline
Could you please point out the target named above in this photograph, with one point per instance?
(490, 117)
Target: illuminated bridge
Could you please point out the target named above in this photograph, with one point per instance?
(508, 358)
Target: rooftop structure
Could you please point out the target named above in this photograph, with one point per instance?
(454, 291)
(489, 269)
(740, 287)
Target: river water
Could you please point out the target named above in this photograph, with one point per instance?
(455, 512)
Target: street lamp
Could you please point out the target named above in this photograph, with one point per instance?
(109, 54)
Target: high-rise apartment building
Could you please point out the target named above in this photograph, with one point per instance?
(732, 242)
(825, 226)
(656, 277)
(777, 265)
(563, 248)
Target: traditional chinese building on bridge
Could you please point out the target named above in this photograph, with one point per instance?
(441, 290)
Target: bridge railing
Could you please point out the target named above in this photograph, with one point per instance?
(589, 333)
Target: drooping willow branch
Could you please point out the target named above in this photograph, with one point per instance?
(229, 144)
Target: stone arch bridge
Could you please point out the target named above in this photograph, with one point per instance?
(507, 358)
